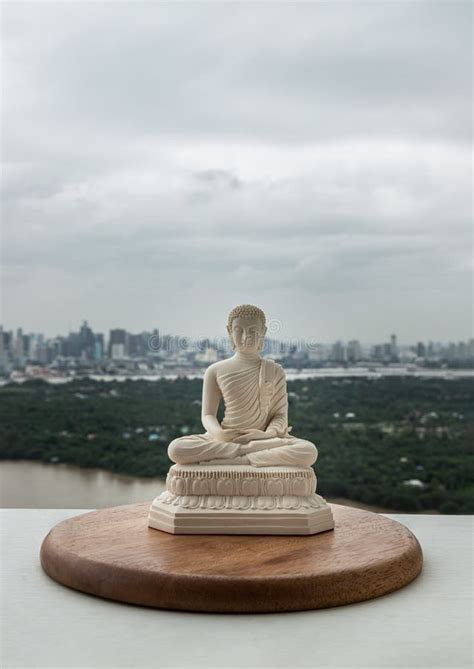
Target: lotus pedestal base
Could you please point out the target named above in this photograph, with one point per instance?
(240, 500)
(303, 520)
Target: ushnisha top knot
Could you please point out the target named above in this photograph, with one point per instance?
(245, 311)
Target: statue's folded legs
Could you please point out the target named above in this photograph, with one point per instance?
(289, 451)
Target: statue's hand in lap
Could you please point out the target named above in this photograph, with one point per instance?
(250, 435)
(223, 434)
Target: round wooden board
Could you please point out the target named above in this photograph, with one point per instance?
(113, 553)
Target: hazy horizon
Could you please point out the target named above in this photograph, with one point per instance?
(274, 327)
(163, 163)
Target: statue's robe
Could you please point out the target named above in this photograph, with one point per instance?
(254, 398)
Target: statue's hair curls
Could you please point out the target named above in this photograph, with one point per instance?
(245, 311)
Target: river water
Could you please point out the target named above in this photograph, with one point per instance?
(32, 485)
(291, 374)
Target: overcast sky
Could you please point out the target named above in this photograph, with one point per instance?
(163, 163)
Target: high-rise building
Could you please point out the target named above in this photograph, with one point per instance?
(36, 348)
(86, 342)
(470, 349)
(378, 352)
(354, 351)
(19, 353)
(58, 347)
(136, 345)
(393, 347)
(6, 340)
(3, 351)
(73, 345)
(118, 343)
(338, 352)
(98, 347)
(421, 350)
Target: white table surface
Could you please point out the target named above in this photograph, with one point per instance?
(426, 624)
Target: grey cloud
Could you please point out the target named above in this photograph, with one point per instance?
(219, 178)
(212, 183)
(313, 156)
(292, 74)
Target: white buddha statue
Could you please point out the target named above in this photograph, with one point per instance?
(247, 474)
(254, 430)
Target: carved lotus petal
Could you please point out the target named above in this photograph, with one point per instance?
(216, 502)
(265, 502)
(179, 486)
(193, 501)
(249, 487)
(200, 487)
(275, 487)
(224, 487)
(289, 501)
(299, 486)
(240, 502)
(235, 502)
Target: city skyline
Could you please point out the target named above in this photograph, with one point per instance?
(216, 339)
(312, 158)
(31, 355)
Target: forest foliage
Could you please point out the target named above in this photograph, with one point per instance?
(401, 443)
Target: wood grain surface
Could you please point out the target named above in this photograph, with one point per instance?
(113, 553)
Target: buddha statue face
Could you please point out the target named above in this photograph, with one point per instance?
(246, 328)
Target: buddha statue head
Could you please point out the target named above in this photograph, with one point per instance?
(246, 328)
